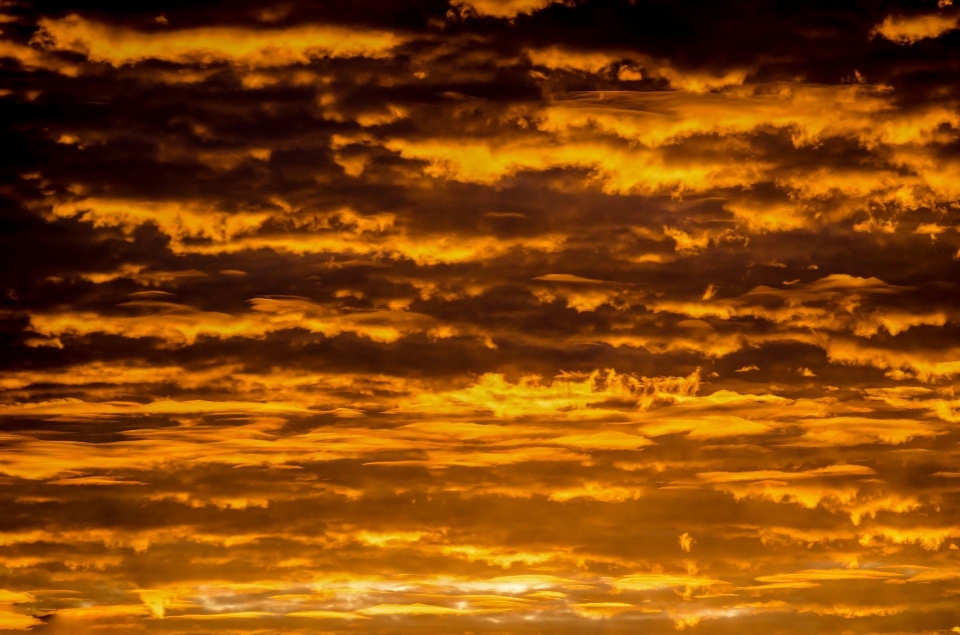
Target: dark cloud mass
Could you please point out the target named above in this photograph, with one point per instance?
(483, 316)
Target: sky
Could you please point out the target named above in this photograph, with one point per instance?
(480, 317)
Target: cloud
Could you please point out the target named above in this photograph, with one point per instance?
(33, 59)
(817, 576)
(616, 168)
(502, 8)
(909, 29)
(117, 45)
(654, 581)
(576, 395)
(632, 66)
(449, 317)
(17, 622)
(179, 324)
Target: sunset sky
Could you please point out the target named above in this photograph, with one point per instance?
(480, 317)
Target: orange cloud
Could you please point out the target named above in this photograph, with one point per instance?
(177, 324)
(569, 395)
(616, 167)
(34, 59)
(502, 8)
(656, 581)
(814, 577)
(17, 622)
(118, 46)
(910, 29)
(631, 66)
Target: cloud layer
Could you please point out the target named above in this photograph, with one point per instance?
(498, 316)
